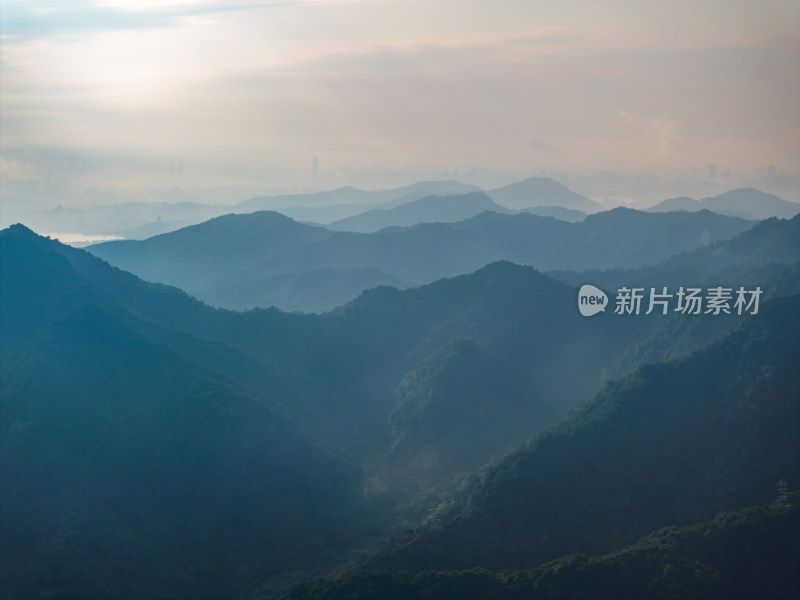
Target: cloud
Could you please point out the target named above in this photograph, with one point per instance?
(446, 84)
(25, 20)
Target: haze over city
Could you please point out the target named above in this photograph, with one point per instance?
(113, 101)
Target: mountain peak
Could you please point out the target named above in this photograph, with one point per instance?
(428, 209)
(542, 191)
(18, 229)
(746, 202)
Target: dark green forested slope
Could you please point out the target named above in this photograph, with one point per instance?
(130, 469)
(365, 376)
(670, 445)
(134, 421)
(152, 444)
(751, 553)
(472, 365)
(679, 336)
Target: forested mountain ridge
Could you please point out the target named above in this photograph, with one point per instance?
(750, 553)
(744, 256)
(670, 445)
(113, 380)
(346, 373)
(130, 468)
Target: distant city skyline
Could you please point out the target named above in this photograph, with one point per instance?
(106, 101)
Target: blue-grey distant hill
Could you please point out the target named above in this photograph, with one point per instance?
(140, 220)
(747, 203)
(542, 191)
(130, 220)
(347, 201)
(769, 245)
(442, 209)
(242, 261)
(557, 212)
(431, 209)
(211, 252)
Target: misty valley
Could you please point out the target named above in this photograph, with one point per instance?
(400, 394)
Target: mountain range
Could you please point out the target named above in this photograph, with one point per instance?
(389, 376)
(746, 203)
(539, 195)
(671, 445)
(473, 435)
(430, 209)
(243, 261)
(347, 201)
(769, 244)
(140, 220)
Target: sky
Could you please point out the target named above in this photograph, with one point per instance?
(104, 101)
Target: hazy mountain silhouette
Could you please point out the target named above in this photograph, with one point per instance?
(430, 209)
(140, 220)
(251, 257)
(211, 252)
(747, 203)
(308, 291)
(749, 257)
(347, 201)
(427, 252)
(623, 237)
(557, 212)
(542, 191)
(131, 220)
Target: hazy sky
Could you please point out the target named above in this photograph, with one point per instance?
(122, 95)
